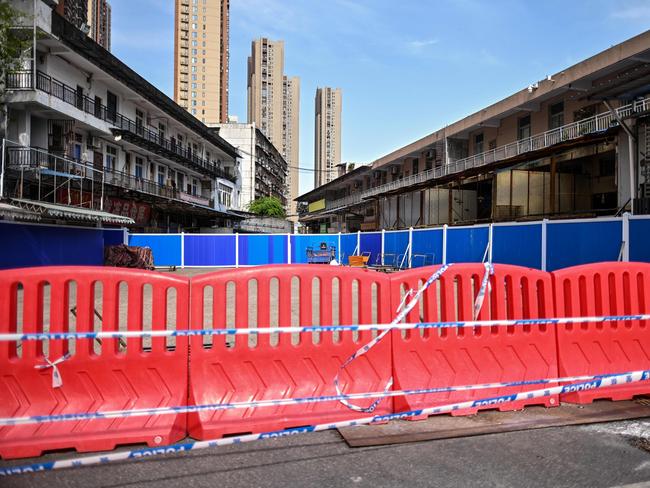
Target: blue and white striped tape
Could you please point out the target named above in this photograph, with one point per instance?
(400, 316)
(626, 378)
(44, 336)
(146, 412)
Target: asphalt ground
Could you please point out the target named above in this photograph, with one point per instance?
(602, 455)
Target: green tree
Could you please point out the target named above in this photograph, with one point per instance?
(267, 207)
(14, 43)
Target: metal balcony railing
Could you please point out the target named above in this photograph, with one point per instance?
(34, 158)
(45, 83)
(132, 182)
(574, 130)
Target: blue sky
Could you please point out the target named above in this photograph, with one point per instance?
(406, 67)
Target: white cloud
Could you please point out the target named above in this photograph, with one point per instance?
(419, 44)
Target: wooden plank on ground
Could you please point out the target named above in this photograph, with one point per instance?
(492, 422)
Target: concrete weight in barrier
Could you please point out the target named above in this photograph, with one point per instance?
(474, 355)
(603, 289)
(95, 375)
(232, 369)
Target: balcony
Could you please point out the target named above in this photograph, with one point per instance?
(131, 182)
(572, 131)
(126, 128)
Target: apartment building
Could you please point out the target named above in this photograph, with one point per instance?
(572, 144)
(90, 139)
(291, 140)
(327, 138)
(274, 107)
(263, 169)
(201, 58)
(99, 22)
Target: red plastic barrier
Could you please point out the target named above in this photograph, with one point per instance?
(432, 358)
(600, 348)
(242, 372)
(41, 299)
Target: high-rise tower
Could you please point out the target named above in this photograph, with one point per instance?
(99, 21)
(201, 57)
(274, 106)
(327, 141)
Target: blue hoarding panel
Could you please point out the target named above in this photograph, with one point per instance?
(396, 242)
(113, 237)
(639, 239)
(427, 247)
(371, 242)
(300, 243)
(24, 245)
(570, 244)
(348, 245)
(466, 245)
(209, 250)
(257, 250)
(520, 245)
(166, 248)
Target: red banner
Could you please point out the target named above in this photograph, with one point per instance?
(138, 211)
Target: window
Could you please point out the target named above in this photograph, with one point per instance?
(139, 121)
(161, 131)
(556, 115)
(111, 158)
(478, 143)
(111, 106)
(138, 167)
(80, 97)
(224, 195)
(161, 175)
(195, 184)
(98, 107)
(523, 127)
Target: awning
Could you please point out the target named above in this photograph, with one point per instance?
(12, 212)
(69, 212)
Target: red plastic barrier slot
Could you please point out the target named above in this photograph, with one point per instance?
(99, 375)
(232, 369)
(432, 358)
(610, 347)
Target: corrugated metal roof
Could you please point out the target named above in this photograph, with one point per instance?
(13, 212)
(69, 212)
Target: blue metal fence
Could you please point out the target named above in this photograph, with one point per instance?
(519, 244)
(545, 245)
(26, 245)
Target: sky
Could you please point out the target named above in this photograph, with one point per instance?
(406, 67)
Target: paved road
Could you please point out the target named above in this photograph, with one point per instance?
(596, 456)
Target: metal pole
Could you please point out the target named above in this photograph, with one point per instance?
(236, 249)
(339, 249)
(383, 243)
(444, 244)
(490, 241)
(288, 248)
(544, 242)
(626, 236)
(2, 172)
(358, 243)
(182, 250)
(410, 246)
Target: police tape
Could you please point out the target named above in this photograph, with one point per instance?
(146, 412)
(626, 378)
(131, 334)
(401, 315)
